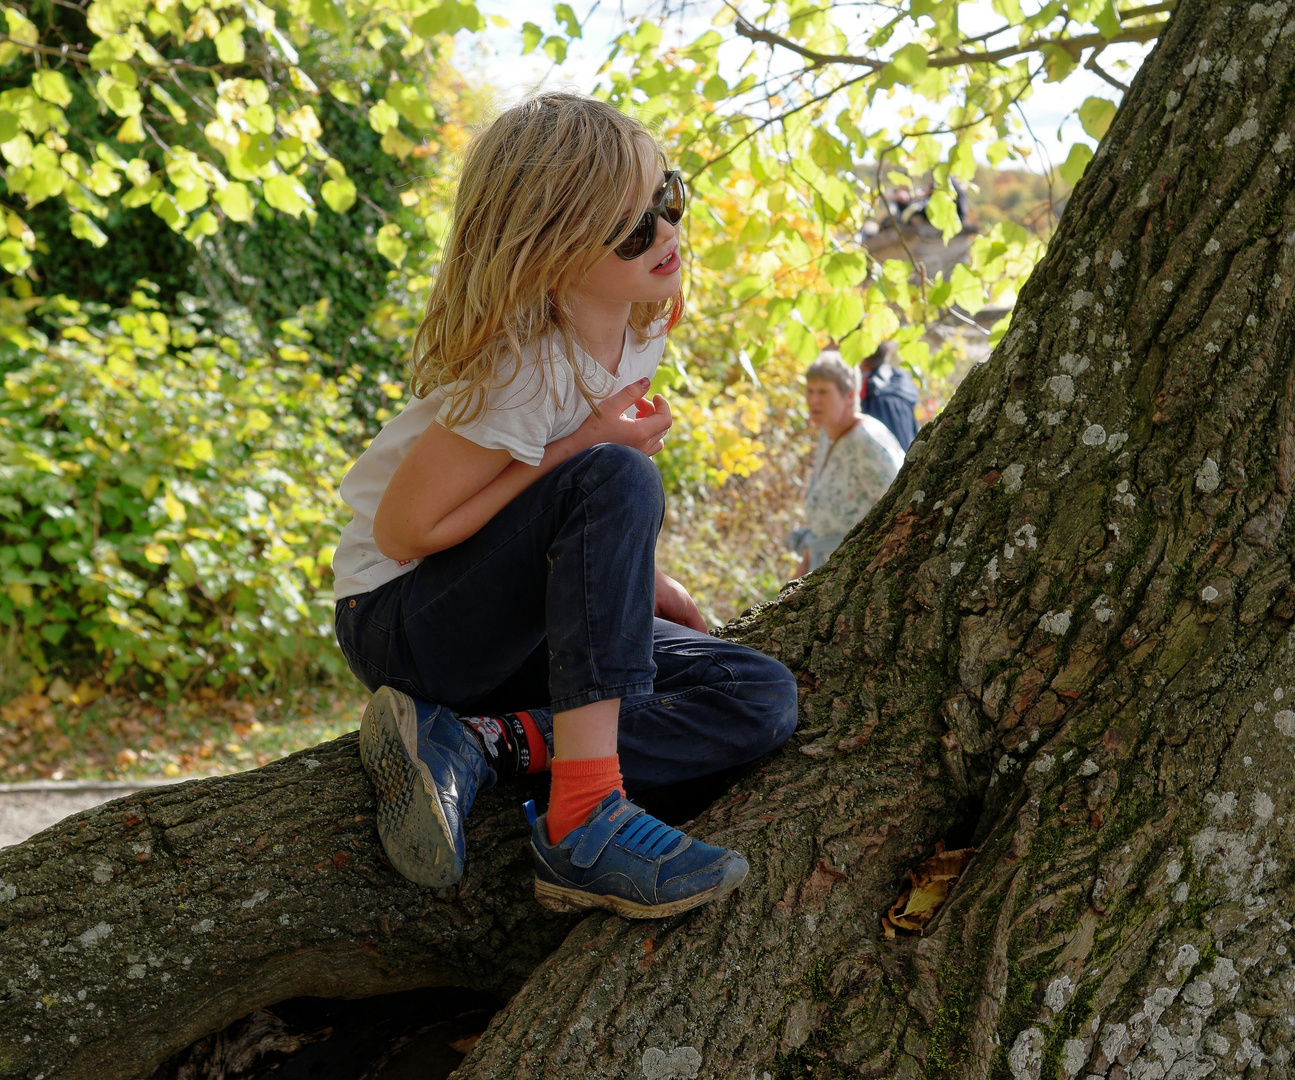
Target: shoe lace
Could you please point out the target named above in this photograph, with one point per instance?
(648, 837)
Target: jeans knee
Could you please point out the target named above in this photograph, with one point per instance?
(630, 474)
(786, 708)
(774, 705)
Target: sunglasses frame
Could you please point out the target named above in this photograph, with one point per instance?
(646, 225)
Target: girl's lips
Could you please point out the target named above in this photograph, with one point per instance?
(669, 266)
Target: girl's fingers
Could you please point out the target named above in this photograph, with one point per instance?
(662, 408)
(625, 397)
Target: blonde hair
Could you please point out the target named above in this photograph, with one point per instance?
(542, 189)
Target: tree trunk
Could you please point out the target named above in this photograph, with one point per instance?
(1063, 636)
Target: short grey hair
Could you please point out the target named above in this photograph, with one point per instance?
(829, 367)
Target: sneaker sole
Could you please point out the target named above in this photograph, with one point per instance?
(557, 898)
(411, 823)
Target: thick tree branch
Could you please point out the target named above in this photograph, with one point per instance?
(959, 58)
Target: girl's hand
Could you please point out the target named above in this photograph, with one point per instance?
(645, 433)
(675, 605)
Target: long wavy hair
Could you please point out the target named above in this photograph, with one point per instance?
(542, 189)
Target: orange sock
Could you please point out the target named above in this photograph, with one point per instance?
(577, 787)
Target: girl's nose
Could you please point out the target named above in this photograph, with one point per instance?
(665, 231)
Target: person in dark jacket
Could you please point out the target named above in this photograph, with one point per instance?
(889, 393)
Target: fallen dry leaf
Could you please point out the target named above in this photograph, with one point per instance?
(929, 886)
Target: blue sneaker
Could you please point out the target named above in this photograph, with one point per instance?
(627, 861)
(427, 768)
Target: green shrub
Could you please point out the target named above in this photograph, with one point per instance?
(168, 504)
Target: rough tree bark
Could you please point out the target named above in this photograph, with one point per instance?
(1064, 635)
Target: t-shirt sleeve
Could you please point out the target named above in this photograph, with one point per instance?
(520, 415)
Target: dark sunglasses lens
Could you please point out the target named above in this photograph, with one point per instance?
(639, 240)
(673, 200)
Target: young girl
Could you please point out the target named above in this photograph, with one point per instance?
(500, 558)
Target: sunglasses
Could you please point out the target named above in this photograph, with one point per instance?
(669, 204)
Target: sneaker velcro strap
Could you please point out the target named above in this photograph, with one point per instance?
(598, 833)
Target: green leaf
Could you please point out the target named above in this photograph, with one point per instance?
(411, 103)
(715, 88)
(47, 178)
(120, 97)
(328, 15)
(1010, 10)
(531, 37)
(382, 117)
(968, 291)
(556, 49)
(17, 150)
(344, 92)
(906, 66)
(391, 244)
(165, 207)
(142, 193)
(13, 256)
(236, 201)
(942, 212)
(177, 111)
(845, 269)
(229, 42)
(286, 193)
(1075, 164)
(844, 313)
(449, 17)
(1096, 115)
(567, 17)
(52, 86)
(338, 195)
(205, 225)
(9, 126)
(85, 229)
(21, 28)
(1107, 19)
(1057, 62)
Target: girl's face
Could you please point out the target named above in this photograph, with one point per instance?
(653, 276)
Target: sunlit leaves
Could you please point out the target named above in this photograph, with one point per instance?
(229, 42)
(1096, 115)
(1076, 162)
(236, 201)
(141, 471)
(286, 193)
(943, 214)
(391, 245)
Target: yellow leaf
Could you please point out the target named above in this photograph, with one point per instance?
(174, 507)
(156, 553)
(21, 594)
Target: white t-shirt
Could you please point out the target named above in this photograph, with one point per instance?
(540, 405)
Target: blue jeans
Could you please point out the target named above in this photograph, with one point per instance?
(549, 607)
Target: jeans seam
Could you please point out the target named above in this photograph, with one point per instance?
(681, 695)
(601, 693)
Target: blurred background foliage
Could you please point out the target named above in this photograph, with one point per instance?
(221, 220)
